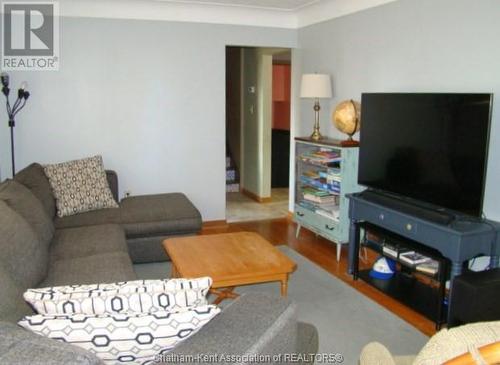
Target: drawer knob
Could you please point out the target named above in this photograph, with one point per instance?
(409, 227)
(381, 216)
(329, 228)
(300, 214)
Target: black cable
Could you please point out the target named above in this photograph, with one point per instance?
(20, 108)
(16, 104)
(9, 110)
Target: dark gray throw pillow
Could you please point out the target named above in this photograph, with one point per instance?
(33, 177)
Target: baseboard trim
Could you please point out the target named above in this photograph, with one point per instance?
(255, 197)
(215, 224)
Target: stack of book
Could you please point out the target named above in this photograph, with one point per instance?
(429, 267)
(413, 258)
(390, 250)
(321, 157)
(317, 183)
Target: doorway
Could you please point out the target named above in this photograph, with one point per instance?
(258, 89)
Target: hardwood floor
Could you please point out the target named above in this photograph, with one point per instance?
(322, 252)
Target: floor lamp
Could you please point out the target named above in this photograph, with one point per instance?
(22, 97)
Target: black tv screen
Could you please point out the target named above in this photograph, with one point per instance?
(428, 147)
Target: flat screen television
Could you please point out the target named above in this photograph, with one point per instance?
(432, 148)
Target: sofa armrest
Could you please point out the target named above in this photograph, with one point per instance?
(112, 178)
(254, 325)
(19, 347)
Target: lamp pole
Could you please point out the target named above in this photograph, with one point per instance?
(22, 97)
(12, 124)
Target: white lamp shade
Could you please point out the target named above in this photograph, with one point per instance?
(316, 86)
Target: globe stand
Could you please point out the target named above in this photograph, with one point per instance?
(349, 142)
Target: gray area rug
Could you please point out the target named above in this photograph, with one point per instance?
(346, 320)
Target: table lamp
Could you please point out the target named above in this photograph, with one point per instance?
(316, 86)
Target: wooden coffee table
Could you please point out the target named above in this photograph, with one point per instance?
(230, 259)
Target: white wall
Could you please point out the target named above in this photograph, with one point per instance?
(147, 95)
(265, 119)
(413, 46)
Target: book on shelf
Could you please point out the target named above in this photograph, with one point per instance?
(317, 183)
(390, 250)
(308, 205)
(430, 267)
(314, 191)
(312, 174)
(327, 206)
(330, 199)
(321, 157)
(413, 258)
(329, 176)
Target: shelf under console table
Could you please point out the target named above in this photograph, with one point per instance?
(458, 241)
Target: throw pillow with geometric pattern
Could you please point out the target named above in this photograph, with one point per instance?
(139, 296)
(123, 338)
(80, 186)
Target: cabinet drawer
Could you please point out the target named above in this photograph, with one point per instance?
(317, 223)
(329, 228)
(395, 222)
(304, 216)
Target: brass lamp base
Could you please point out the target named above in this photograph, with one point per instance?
(316, 135)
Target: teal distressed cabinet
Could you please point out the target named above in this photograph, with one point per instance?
(324, 173)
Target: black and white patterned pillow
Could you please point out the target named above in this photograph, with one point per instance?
(129, 296)
(123, 338)
(80, 186)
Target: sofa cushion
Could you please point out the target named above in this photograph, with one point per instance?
(147, 249)
(161, 214)
(21, 347)
(138, 296)
(22, 254)
(95, 217)
(80, 186)
(34, 178)
(77, 242)
(107, 267)
(125, 337)
(24, 202)
(12, 305)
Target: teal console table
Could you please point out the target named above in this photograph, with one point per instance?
(459, 240)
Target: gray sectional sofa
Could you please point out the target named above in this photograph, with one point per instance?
(37, 249)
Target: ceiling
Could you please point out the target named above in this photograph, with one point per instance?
(288, 14)
(288, 5)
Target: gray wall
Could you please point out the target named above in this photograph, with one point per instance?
(414, 46)
(147, 95)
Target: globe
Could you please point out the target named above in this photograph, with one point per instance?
(347, 117)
